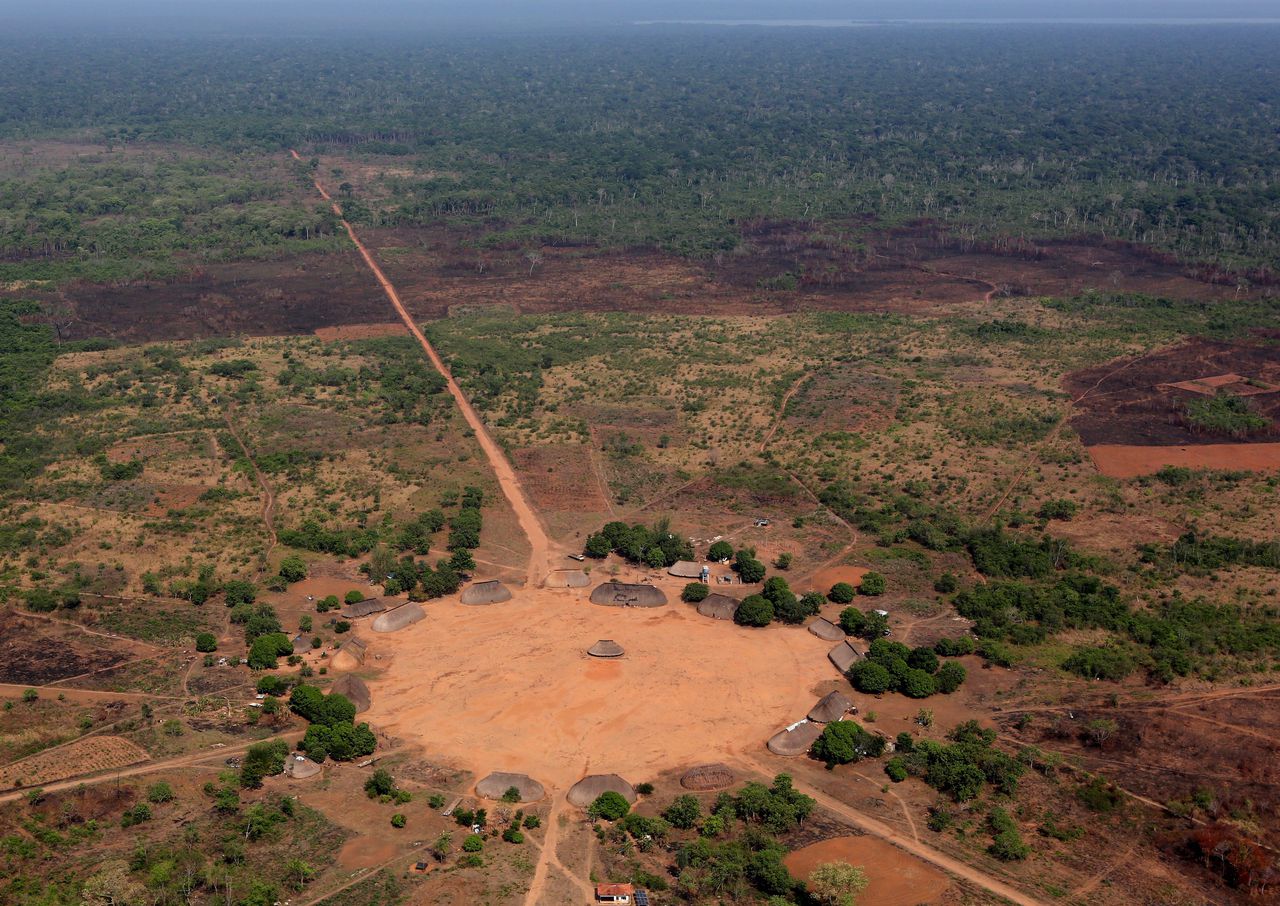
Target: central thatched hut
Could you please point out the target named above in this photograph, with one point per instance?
(395, 620)
(624, 594)
(567, 578)
(606, 648)
(831, 707)
(707, 777)
(495, 786)
(491, 592)
(718, 607)
(795, 739)
(825, 629)
(354, 689)
(589, 788)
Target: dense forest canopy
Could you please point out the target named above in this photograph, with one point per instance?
(1166, 136)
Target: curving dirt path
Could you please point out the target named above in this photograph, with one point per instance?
(548, 856)
(268, 496)
(539, 557)
(782, 409)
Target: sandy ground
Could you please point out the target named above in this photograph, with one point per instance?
(1119, 461)
(510, 688)
(895, 878)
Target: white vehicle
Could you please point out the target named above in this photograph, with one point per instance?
(883, 613)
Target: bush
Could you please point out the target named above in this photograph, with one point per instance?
(513, 835)
(272, 684)
(267, 648)
(136, 815)
(293, 568)
(355, 596)
(720, 552)
(845, 741)
(695, 592)
(532, 821)
(919, 684)
(750, 570)
(380, 783)
(1007, 845)
(945, 584)
(755, 610)
(923, 659)
(870, 677)
(160, 792)
(239, 591)
(609, 806)
(473, 843)
(1100, 796)
(842, 593)
(896, 770)
(872, 584)
(264, 759)
(398, 820)
(852, 620)
(206, 641)
(950, 677)
(1064, 510)
(1100, 663)
(954, 647)
(684, 812)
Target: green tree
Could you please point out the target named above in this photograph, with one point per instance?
(841, 593)
(950, 677)
(755, 610)
(837, 884)
(720, 552)
(872, 584)
(293, 568)
(263, 759)
(919, 684)
(694, 592)
(684, 812)
(380, 783)
(852, 620)
(609, 806)
(398, 820)
(870, 677)
(206, 641)
(846, 741)
(267, 648)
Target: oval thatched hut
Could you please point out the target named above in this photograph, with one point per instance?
(367, 608)
(354, 689)
(825, 629)
(567, 578)
(606, 648)
(589, 788)
(831, 707)
(491, 592)
(350, 655)
(300, 767)
(844, 656)
(395, 620)
(624, 594)
(707, 777)
(795, 739)
(685, 569)
(718, 607)
(495, 786)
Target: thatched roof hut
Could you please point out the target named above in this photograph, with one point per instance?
(354, 689)
(350, 655)
(589, 788)
(825, 629)
(300, 767)
(367, 608)
(707, 777)
(831, 707)
(491, 592)
(624, 594)
(567, 578)
(795, 739)
(718, 607)
(844, 656)
(686, 569)
(395, 620)
(606, 648)
(495, 786)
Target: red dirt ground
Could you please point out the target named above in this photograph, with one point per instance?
(1128, 406)
(1119, 461)
(895, 878)
(361, 331)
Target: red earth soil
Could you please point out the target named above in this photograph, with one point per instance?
(1119, 461)
(895, 878)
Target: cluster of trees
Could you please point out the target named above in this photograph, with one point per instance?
(1227, 415)
(464, 526)
(960, 768)
(846, 741)
(333, 732)
(657, 547)
(777, 601)
(915, 672)
(1202, 554)
(417, 577)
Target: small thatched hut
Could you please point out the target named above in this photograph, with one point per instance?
(624, 594)
(825, 629)
(707, 777)
(795, 739)
(589, 788)
(367, 608)
(350, 655)
(831, 707)
(491, 592)
(354, 689)
(300, 767)
(606, 648)
(567, 578)
(718, 607)
(495, 786)
(844, 656)
(395, 620)
(685, 569)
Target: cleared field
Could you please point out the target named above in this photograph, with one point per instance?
(86, 756)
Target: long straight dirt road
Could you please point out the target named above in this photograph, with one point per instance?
(539, 553)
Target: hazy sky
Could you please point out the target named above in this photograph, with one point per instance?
(229, 13)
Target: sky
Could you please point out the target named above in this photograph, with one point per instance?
(69, 14)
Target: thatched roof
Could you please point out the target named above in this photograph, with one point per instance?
(707, 777)
(686, 569)
(350, 655)
(623, 594)
(496, 785)
(402, 616)
(353, 688)
(606, 648)
(367, 607)
(491, 592)
(825, 629)
(589, 788)
(718, 607)
(830, 707)
(567, 578)
(844, 656)
(299, 767)
(795, 739)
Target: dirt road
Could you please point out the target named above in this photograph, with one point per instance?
(539, 556)
(268, 497)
